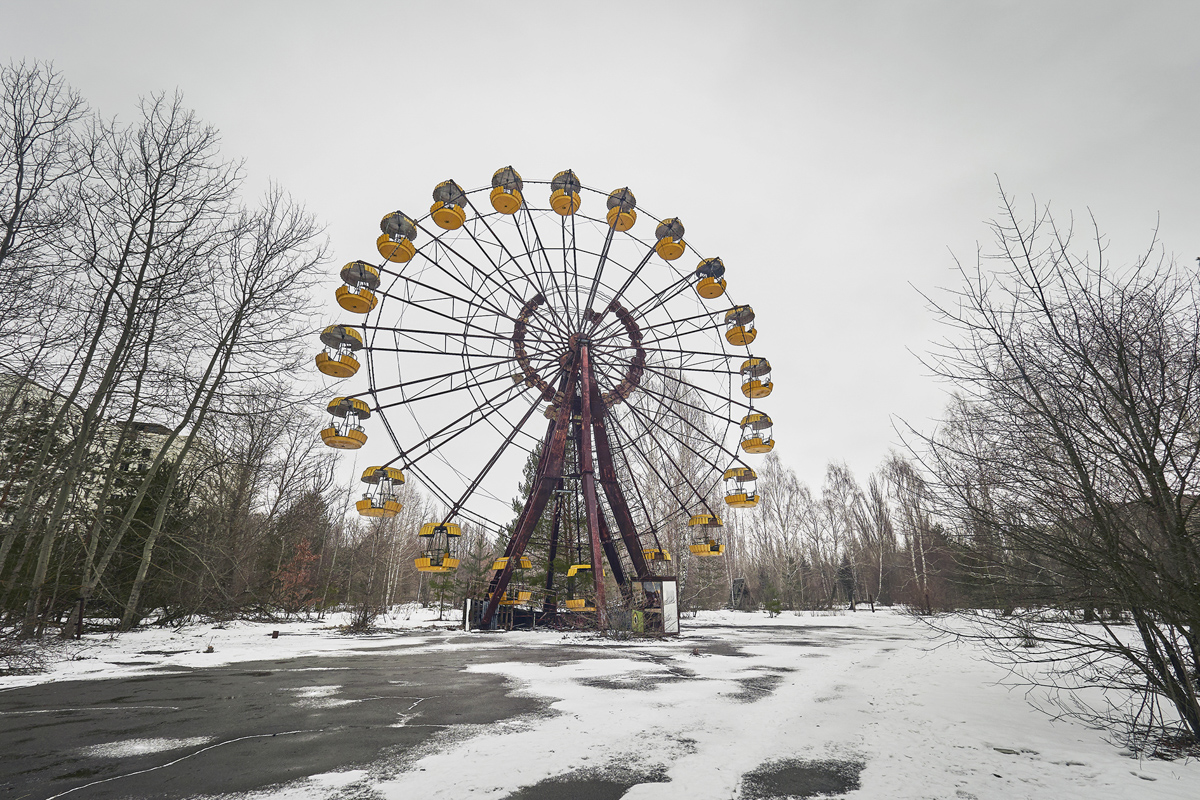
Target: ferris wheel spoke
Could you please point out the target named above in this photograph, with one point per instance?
(533, 277)
(432, 332)
(632, 488)
(443, 393)
(508, 440)
(676, 322)
(652, 466)
(666, 295)
(559, 292)
(624, 288)
(562, 289)
(490, 333)
(437, 352)
(702, 409)
(447, 500)
(682, 442)
(437, 264)
(680, 380)
(600, 267)
(488, 408)
(662, 397)
(569, 275)
(716, 326)
(717, 443)
(668, 412)
(633, 441)
(709, 355)
(432, 485)
(482, 274)
(442, 376)
(491, 310)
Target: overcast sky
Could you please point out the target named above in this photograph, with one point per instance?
(837, 155)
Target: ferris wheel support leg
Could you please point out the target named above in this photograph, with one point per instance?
(548, 475)
(616, 498)
(606, 540)
(550, 607)
(588, 475)
(614, 559)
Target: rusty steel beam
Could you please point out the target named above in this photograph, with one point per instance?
(550, 606)
(588, 475)
(548, 474)
(606, 540)
(612, 491)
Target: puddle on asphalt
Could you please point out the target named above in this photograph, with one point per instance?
(796, 778)
(756, 688)
(611, 784)
(639, 682)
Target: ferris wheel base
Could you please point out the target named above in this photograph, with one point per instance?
(653, 612)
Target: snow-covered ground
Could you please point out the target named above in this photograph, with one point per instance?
(871, 695)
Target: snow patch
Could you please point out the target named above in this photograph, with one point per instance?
(140, 747)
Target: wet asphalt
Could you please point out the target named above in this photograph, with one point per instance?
(251, 724)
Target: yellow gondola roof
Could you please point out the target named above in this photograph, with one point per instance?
(430, 528)
(711, 267)
(705, 521)
(741, 474)
(336, 335)
(756, 421)
(755, 367)
(740, 315)
(341, 406)
(374, 475)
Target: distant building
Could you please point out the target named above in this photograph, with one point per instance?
(28, 409)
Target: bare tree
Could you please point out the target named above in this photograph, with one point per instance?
(1071, 457)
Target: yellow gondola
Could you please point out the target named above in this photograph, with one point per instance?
(656, 554)
(506, 190)
(741, 487)
(396, 242)
(345, 431)
(438, 548)
(340, 341)
(756, 377)
(447, 209)
(564, 193)
(513, 595)
(502, 562)
(757, 431)
(669, 234)
(621, 215)
(706, 541)
(711, 283)
(358, 295)
(580, 603)
(739, 326)
(380, 498)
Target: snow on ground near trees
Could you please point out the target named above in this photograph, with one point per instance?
(924, 718)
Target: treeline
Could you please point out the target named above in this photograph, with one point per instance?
(845, 544)
(152, 320)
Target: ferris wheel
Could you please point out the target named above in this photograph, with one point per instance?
(538, 322)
